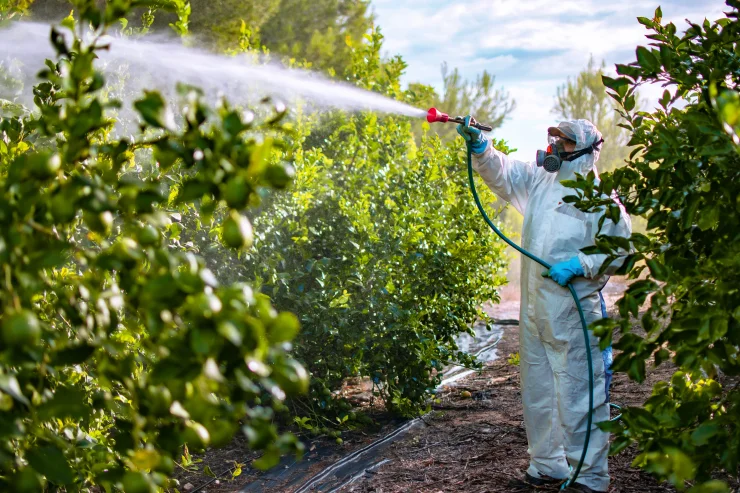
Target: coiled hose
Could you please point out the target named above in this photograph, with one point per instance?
(572, 290)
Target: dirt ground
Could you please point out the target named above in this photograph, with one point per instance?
(473, 441)
(478, 444)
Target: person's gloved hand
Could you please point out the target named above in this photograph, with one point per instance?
(473, 135)
(563, 272)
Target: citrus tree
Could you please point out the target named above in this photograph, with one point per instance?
(376, 246)
(683, 176)
(118, 345)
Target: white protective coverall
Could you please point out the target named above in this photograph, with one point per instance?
(554, 370)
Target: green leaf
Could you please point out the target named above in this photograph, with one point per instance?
(619, 444)
(50, 462)
(619, 85)
(9, 385)
(647, 59)
(630, 71)
(709, 217)
(72, 355)
(629, 102)
(636, 369)
(69, 22)
(712, 486)
(59, 42)
(666, 56)
(284, 328)
(610, 426)
(67, 402)
(646, 22)
(269, 459)
(661, 356)
(153, 110)
(192, 190)
(665, 99)
(657, 269)
(704, 433)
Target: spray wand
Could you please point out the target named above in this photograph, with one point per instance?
(434, 115)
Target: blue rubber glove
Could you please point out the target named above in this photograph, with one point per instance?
(563, 272)
(474, 135)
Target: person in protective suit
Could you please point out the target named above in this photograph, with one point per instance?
(553, 364)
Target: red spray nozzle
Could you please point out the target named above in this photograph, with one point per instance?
(434, 115)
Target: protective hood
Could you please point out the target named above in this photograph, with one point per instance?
(586, 134)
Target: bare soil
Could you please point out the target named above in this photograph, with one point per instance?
(479, 444)
(473, 441)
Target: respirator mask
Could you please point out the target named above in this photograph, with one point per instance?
(552, 158)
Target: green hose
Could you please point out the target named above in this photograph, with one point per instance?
(547, 266)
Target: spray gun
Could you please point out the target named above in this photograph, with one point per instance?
(434, 115)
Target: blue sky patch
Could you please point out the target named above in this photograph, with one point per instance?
(531, 46)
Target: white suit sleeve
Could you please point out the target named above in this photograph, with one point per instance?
(592, 263)
(511, 180)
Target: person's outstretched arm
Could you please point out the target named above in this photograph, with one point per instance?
(511, 180)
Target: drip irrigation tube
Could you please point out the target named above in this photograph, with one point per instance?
(308, 485)
(572, 290)
(370, 448)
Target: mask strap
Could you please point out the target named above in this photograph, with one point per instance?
(570, 156)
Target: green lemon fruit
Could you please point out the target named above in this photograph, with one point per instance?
(136, 482)
(62, 208)
(292, 377)
(237, 231)
(148, 235)
(45, 166)
(159, 400)
(196, 436)
(236, 193)
(99, 222)
(165, 465)
(21, 328)
(279, 175)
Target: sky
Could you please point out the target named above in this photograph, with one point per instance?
(531, 46)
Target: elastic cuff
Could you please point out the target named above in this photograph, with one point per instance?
(577, 260)
(480, 146)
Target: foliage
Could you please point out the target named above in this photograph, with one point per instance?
(139, 312)
(322, 32)
(377, 248)
(381, 275)
(586, 97)
(118, 344)
(219, 22)
(683, 176)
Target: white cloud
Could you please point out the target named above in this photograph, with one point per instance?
(531, 46)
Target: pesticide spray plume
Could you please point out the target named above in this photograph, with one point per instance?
(434, 116)
(159, 62)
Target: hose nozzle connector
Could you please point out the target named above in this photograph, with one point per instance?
(434, 115)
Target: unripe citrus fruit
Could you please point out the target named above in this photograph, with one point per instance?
(237, 231)
(21, 328)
